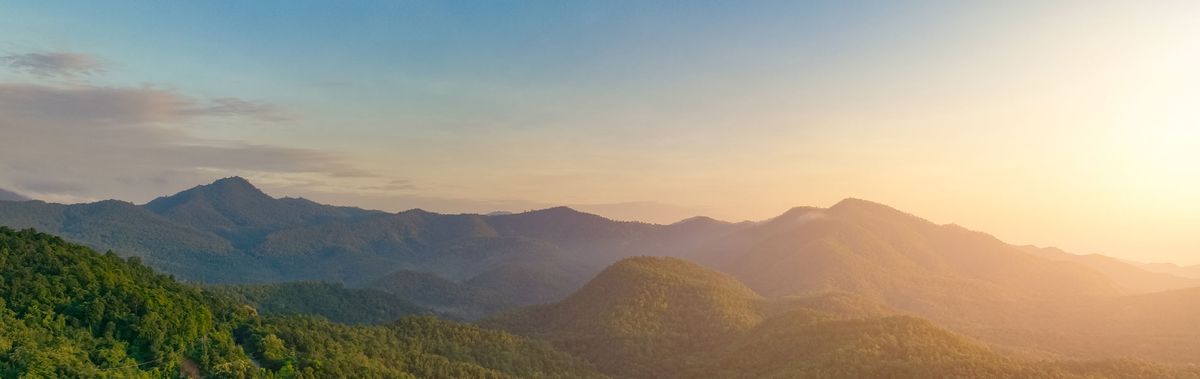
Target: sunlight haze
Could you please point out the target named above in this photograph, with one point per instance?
(1071, 124)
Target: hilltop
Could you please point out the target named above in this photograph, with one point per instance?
(668, 318)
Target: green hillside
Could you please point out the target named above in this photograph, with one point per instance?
(444, 296)
(67, 311)
(329, 300)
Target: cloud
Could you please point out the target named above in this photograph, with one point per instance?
(94, 141)
(71, 105)
(394, 185)
(51, 185)
(54, 64)
(235, 107)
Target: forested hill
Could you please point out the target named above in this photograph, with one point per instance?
(667, 318)
(69, 312)
(329, 300)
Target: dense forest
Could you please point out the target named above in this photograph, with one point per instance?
(329, 300)
(70, 312)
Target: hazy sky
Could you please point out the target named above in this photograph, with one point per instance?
(1072, 123)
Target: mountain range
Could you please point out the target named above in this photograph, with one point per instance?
(68, 311)
(1042, 302)
(1173, 269)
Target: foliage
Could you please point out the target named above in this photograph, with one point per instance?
(420, 347)
(329, 300)
(67, 311)
(442, 295)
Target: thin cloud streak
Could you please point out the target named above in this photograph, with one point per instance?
(54, 64)
(100, 105)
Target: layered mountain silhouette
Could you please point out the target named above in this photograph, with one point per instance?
(1173, 269)
(470, 266)
(1130, 278)
(668, 318)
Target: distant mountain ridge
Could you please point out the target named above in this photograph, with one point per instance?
(231, 232)
(1131, 277)
(1173, 269)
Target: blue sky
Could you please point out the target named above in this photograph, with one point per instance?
(981, 113)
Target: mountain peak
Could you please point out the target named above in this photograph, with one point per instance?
(562, 209)
(859, 203)
(221, 189)
(233, 183)
(700, 220)
(860, 209)
(624, 285)
(560, 213)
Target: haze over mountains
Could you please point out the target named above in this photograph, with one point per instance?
(668, 318)
(856, 254)
(1171, 268)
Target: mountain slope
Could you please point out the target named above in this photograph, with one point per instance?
(130, 229)
(67, 311)
(947, 273)
(1128, 277)
(6, 195)
(235, 209)
(442, 295)
(668, 318)
(642, 316)
(231, 232)
(1173, 269)
(328, 300)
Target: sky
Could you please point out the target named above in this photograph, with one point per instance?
(1064, 123)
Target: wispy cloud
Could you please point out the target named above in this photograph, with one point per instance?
(54, 64)
(235, 107)
(120, 105)
(394, 185)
